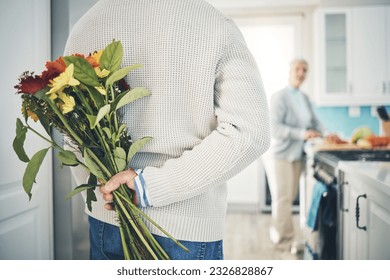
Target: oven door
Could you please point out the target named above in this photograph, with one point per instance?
(343, 209)
(321, 213)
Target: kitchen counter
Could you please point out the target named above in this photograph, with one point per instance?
(373, 173)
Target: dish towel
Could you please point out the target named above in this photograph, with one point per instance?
(318, 190)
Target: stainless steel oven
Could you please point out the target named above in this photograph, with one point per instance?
(324, 169)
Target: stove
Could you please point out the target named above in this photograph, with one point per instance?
(325, 162)
(334, 156)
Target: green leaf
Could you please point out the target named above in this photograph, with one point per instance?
(120, 158)
(90, 197)
(107, 132)
(68, 158)
(18, 143)
(92, 121)
(120, 153)
(116, 136)
(92, 166)
(32, 170)
(102, 113)
(96, 96)
(120, 74)
(92, 180)
(83, 71)
(79, 189)
(136, 146)
(130, 96)
(111, 58)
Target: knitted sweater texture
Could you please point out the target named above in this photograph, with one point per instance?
(207, 112)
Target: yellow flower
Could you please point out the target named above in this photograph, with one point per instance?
(65, 79)
(102, 90)
(101, 73)
(67, 103)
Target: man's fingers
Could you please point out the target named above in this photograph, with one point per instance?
(109, 187)
(108, 197)
(109, 206)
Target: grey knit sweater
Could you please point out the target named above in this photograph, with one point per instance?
(207, 112)
(289, 121)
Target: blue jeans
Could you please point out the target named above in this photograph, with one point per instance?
(105, 244)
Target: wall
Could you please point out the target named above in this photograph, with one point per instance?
(337, 119)
(71, 234)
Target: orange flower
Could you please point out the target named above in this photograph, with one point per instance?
(94, 58)
(54, 68)
(31, 114)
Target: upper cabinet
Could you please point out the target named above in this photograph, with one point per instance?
(352, 56)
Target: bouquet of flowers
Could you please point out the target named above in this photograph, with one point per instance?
(81, 96)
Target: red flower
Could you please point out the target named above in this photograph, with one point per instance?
(54, 68)
(123, 86)
(31, 84)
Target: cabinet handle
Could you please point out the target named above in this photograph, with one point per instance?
(341, 197)
(357, 212)
(384, 91)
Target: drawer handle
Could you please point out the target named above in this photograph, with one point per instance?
(357, 212)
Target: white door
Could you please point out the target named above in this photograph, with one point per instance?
(273, 43)
(25, 226)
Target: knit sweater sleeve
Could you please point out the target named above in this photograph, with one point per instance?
(316, 124)
(240, 137)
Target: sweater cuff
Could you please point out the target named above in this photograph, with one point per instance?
(140, 189)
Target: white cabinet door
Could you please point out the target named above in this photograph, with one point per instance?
(369, 52)
(354, 241)
(366, 235)
(25, 227)
(387, 59)
(378, 246)
(352, 56)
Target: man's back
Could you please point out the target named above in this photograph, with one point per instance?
(207, 112)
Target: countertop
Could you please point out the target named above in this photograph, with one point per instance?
(374, 173)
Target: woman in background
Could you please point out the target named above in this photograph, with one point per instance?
(292, 123)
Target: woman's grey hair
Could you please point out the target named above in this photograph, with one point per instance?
(298, 60)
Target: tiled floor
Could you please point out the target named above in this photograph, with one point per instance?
(246, 238)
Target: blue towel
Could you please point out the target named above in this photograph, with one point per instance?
(318, 191)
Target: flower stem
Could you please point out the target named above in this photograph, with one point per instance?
(134, 226)
(153, 222)
(63, 120)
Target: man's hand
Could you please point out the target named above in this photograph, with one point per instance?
(124, 177)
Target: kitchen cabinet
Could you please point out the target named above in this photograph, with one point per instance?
(352, 56)
(366, 211)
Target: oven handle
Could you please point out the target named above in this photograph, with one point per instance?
(357, 212)
(341, 197)
(323, 176)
